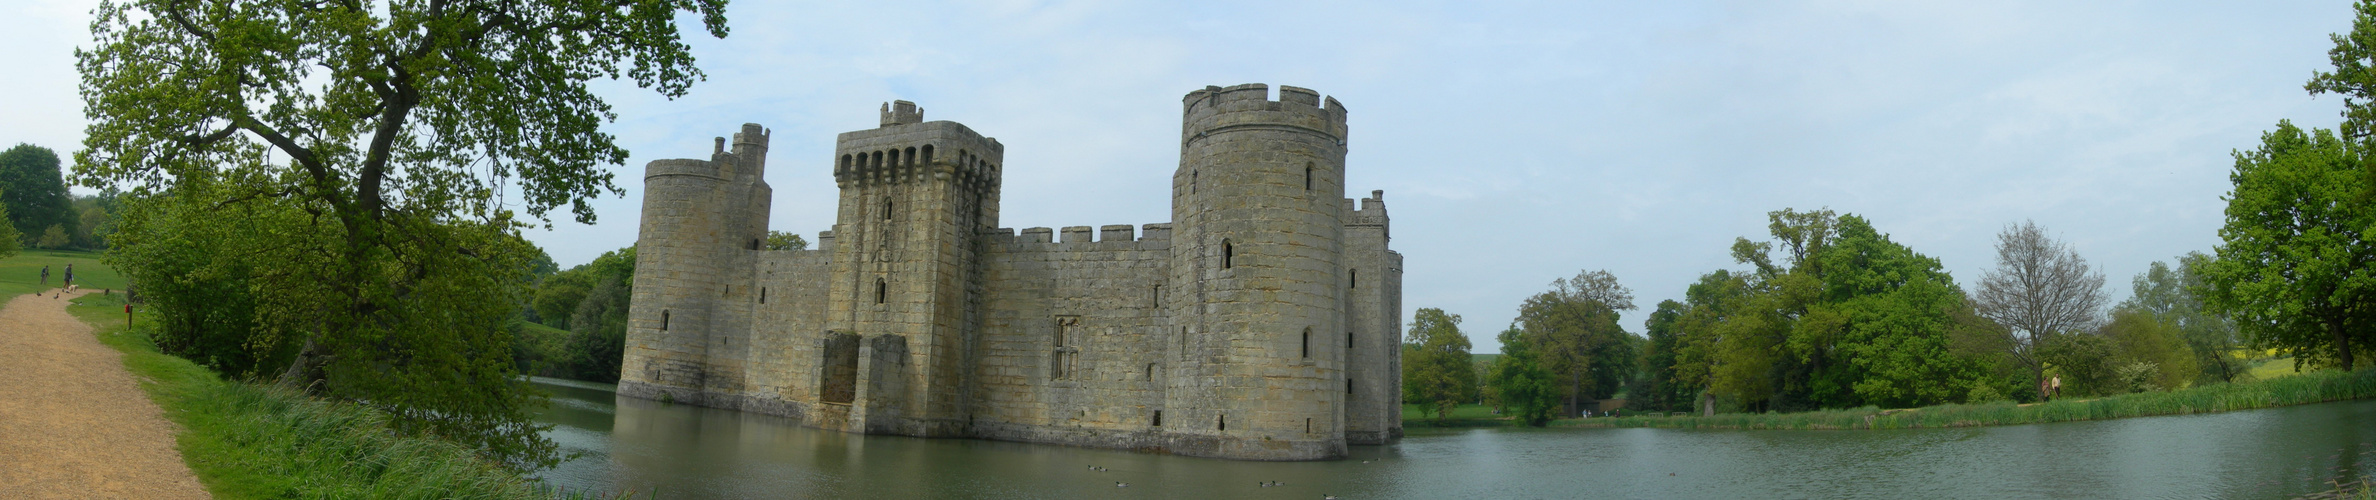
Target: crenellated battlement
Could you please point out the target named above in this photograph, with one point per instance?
(1080, 238)
(901, 113)
(1216, 109)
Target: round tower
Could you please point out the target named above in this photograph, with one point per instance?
(697, 224)
(1257, 249)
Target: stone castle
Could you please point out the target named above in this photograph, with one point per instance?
(1263, 322)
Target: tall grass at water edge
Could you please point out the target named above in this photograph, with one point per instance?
(246, 440)
(2309, 387)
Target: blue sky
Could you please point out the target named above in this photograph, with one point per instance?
(1517, 142)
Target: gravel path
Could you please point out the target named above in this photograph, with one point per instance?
(72, 422)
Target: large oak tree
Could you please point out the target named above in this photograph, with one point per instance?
(380, 148)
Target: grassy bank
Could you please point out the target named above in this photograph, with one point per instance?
(1462, 416)
(2309, 387)
(250, 441)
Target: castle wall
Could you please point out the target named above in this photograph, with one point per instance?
(1262, 323)
(1072, 341)
(1373, 327)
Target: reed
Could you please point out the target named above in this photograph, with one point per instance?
(2310, 387)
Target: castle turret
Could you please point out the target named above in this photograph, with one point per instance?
(915, 197)
(702, 219)
(1257, 255)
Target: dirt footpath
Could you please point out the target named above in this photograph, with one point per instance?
(72, 422)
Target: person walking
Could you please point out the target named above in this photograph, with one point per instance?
(69, 282)
(45, 275)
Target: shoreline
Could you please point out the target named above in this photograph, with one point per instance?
(2306, 388)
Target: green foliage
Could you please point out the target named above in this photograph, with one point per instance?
(2139, 338)
(33, 192)
(8, 233)
(2315, 387)
(53, 238)
(2173, 295)
(2296, 268)
(1437, 370)
(1839, 316)
(372, 140)
(779, 240)
(250, 441)
(2086, 363)
(590, 302)
(1525, 390)
(1661, 389)
(1574, 332)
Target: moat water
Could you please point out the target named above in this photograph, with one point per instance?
(682, 451)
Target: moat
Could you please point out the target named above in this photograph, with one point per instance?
(685, 451)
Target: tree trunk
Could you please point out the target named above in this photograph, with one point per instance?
(2342, 344)
(305, 373)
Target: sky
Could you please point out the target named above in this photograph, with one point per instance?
(1516, 142)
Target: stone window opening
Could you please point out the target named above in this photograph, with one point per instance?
(1158, 421)
(663, 320)
(1348, 387)
(886, 208)
(877, 161)
(911, 156)
(1352, 278)
(763, 295)
(1307, 177)
(1307, 426)
(1155, 299)
(1307, 343)
(1348, 335)
(1067, 350)
(928, 153)
(754, 243)
(1224, 423)
(845, 162)
(1192, 182)
(882, 291)
(1227, 252)
(1150, 372)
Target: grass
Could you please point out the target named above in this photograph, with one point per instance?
(21, 274)
(1462, 416)
(252, 441)
(2308, 387)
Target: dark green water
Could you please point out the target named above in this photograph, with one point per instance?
(690, 452)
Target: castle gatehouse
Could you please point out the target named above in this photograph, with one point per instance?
(1263, 322)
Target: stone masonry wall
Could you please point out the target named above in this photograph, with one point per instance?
(1072, 341)
(1262, 323)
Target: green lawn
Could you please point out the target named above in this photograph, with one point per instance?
(22, 274)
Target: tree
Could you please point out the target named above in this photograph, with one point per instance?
(779, 240)
(33, 192)
(54, 238)
(1525, 389)
(2140, 339)
(1438, 368)
(2354, 58)
(1573, 327)
(1662, 389)
(393, 127)
(8, 232)
(2295, 267)
(2040, 288)
(2173, 295)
